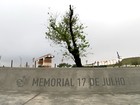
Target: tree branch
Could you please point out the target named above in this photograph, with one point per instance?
(71, 24)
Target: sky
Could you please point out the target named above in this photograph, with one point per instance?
(112, 25)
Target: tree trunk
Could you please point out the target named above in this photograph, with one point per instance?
(75, 50)
(77, 60)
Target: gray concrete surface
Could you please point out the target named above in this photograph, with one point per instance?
(21, 81)
(27, 98)
(105, 80)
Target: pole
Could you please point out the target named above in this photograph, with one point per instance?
(26, 64)
(20, 61)
(0, 60)
(35, 64)
(11, 63)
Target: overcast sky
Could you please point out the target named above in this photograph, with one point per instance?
(112, 25)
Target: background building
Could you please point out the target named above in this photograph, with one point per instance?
(45, 61)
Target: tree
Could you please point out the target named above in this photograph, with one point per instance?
(68, 32)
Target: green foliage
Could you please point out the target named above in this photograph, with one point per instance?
(60, 33)
(64, 65)
(131, 61)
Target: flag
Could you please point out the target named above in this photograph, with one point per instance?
(118, 55)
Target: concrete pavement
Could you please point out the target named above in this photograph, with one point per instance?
(28, 98)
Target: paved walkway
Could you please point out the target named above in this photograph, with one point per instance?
(15, 98)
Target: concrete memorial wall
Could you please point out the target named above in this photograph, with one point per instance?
(95, 80)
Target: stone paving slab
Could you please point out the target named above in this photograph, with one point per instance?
(28, 98)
